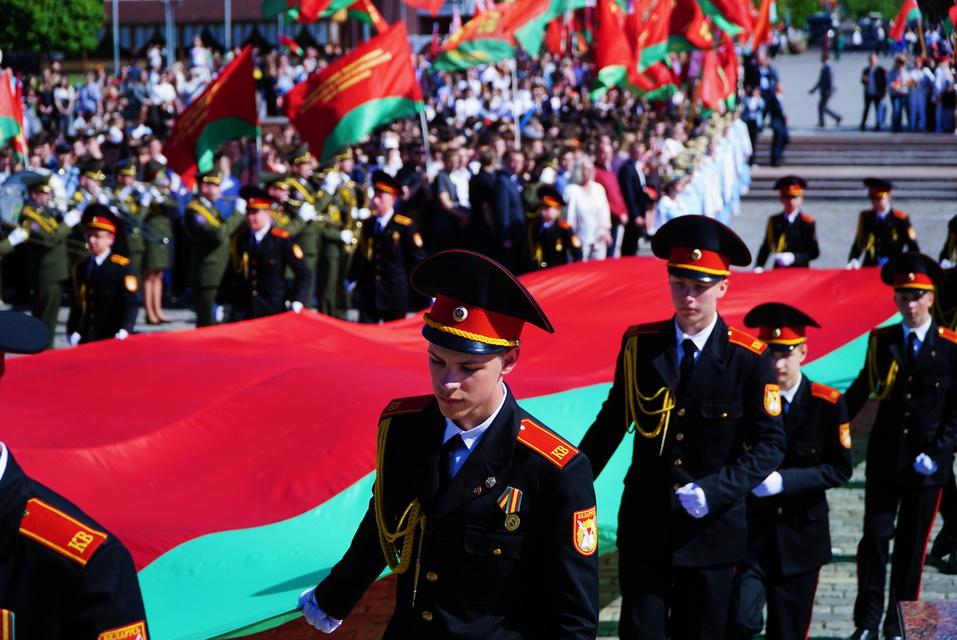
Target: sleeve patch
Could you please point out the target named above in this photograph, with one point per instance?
(402, 406)
(746, 340)
(947, 334)
(549, 445)
(585, 531)
(417, 240)
(825, 392)
(54, 529)
(648, 327)
(135, 631)
(120, 260)
(403, 220)
(772, 399)
(297, 251)
(130, 283)
(845, 430)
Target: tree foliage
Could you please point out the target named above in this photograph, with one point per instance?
(68, 26)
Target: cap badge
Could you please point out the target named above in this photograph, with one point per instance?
(911, 277)
(776, 333)
(696, 255)
(460, 313)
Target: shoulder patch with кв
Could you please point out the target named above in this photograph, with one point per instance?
(54, 529)
(542, 441)
(402, 406)
(746, 340)
(825, 392)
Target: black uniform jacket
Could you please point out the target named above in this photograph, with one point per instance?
(553, 245)
(478, 579)
(105, 299)
(386, 260)
(877, 238)
(918, 414)
(63, 575)
(254, 282)
(800, 238)
(818, 457)
(724, 433)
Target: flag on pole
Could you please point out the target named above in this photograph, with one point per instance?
(224, 111)
(761, 34)
(360, 10)
(530, 17)
(483, 39)
(372, 85)
(689, 29)
(11, 115)
(908, 11)
(289, 43)
(950, 23)
(432, 6)
(614, 53)
(731, 16)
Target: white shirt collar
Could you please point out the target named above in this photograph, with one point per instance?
(100, 259)
(789, 394)
(262, 232)
(793, 216)
(384, 218)
(700, 338)
(4, 456)
(921, 331)
(472, 436)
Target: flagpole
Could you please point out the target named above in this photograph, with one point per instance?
(518, 129)
(116, 38)
(920, 32)
(228, 19)
(425, 138)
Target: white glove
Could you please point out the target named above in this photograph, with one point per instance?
(853, 264)
(102, 198)
(759, 270)
(314, 615)
(347, 236)
(72, 218)
(784, 259)
(308, 212)
(350, 285)
(946, 264)
(125, 193)
(122, 334)
(17, 236)
(924, 464)
(364, 213)
(146, 199)
(219, 313)
(772, 486)
(73, 339)
(240, 207)
(693, 500)
(297, 306)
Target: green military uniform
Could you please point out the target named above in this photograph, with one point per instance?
(340, 238)
(156, 215)
(130, 241)
(208, 233)
(303, 191)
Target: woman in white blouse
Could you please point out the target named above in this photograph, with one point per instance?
(588, 211)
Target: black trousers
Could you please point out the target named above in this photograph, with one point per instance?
(660, 600)
(790, 601)
(914, 509)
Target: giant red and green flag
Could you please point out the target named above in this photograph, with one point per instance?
(530, 17)
(11, 115)
(235, 462)
(688, 28)
(484, 39)
(224, 111)
(731, 16)
(909, 11)
(372, 85)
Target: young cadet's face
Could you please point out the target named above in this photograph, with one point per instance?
(695, 302)
(787, 365)
(469, 386)
(914, 306)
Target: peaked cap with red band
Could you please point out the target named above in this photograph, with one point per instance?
(780, 326)
(548, 196)
(877, 188)
(791, 185)
(382, 181)
(699, 248)
(911, 270)
(98, 216)
(256, 198)
(479, 306)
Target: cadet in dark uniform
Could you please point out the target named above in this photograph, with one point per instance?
(208, 233)
(254, 284)
(47, 260)
(487, 516)
(881, 230)
(791, 237)
(551, 240)
(910, 368)
(389, 248)
(63, 576)
(788, 535)
(105, 299)
(706, 410)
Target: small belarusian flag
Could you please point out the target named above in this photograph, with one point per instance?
(11, 115)
(908, 11)
(289, 43)
(950, 23)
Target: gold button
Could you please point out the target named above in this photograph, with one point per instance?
(724, 414)
(910, 378)
(813, 450)
(780, 511)
(676, 486)
(937, 385)
(907, 396)
(431, 576)
(496, 552)
(427, 616)
(681, 412)
(907, 414)
(679, 437)
(906, 431)
(677, 462)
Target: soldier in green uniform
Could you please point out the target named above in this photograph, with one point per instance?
(131, 242)
(158, 203)
(303, 191)
(208, 233)
(47, 267)
(339, 235)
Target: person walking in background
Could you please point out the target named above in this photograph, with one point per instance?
(825, 88)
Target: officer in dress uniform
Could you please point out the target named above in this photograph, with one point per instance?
(390, 247)
(705, 405)
(551, 240)
(339, 240)
(62, 575)
(47, 260)
(128, 195)
(881, 230)
(910, 369)
(208, 233)
(304, 191)
(788, 536)
(791, 237)
(254, 283)
(105, 299)
(487, 515)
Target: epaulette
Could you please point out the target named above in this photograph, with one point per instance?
(400, 219)
(947, 334)
(282, 233)
(641, 329)
(900, 215)
(563, 224)
(402, 406)
(539, 439)
(746, 340)
(806, 218)
(825, 392)
(54, 529)
(879, 330)
(120, 260)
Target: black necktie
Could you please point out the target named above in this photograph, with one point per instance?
(686, 366)
(786, 405)
(446, 453)
(909, 351)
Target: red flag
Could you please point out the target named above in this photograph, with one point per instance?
(730, 15)
(434, 46)
(432, 6)
(711, 89)
(480, 7)
(762, 26)
(728, 60)
(289, 43)
(613, 53)
(554, 42)
(224, 111)
(372, 85)
(950, 24)
(908, 11)
(688, 28)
